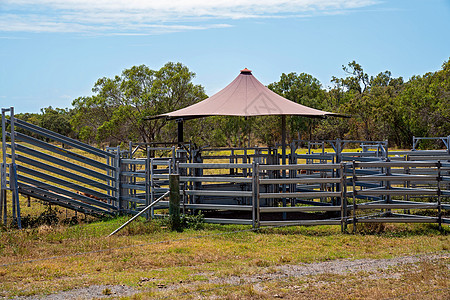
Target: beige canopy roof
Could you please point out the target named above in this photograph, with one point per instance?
(244, 96)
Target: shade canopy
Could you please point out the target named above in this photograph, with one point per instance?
(245, 96)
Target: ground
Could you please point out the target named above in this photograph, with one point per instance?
(147, 261)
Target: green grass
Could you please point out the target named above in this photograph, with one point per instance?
(148, 250)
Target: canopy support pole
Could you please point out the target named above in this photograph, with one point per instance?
(180, 132)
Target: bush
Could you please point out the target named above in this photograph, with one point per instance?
(196, 222)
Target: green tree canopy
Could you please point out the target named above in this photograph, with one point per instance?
(117, 110)
(303, 89)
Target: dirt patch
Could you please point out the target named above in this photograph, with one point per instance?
(90, 292)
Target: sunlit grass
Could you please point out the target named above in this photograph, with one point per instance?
(148, 249)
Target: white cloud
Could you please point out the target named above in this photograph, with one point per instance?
(149, 17)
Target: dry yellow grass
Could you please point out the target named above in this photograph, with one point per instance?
(145, 250)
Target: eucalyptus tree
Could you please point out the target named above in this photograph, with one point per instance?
(117, 110)
(303, 89)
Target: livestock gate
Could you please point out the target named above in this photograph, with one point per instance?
(327, 185)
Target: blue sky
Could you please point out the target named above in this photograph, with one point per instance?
(53, 51)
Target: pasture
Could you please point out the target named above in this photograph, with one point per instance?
(227, 261)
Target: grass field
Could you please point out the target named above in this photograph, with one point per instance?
(230, 261)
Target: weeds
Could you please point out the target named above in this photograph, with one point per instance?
(48, 217)
(196, 222)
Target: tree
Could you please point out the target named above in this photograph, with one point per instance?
(303, 89)
(56, 120)
(425, 103)
(117, 110)
(370, 101)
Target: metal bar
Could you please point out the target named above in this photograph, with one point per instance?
(212, 179)
(3, 193)
(59, 198)
(147, 183)
(300, 180)
(13, 171)
(254, 196)
(63, 152)
(117, 169)
(228, 221)
(62, 182)
(218, 207)
(439, 196)
(214, 166)
(398, 220)
(418, 152)
(300, 167)
(65, 173)
(343, 198)
(399, 192)
(61, 138)
(219, 193)
(139, 214)
(354, 196)
(299, 209)
(133, 199)
(61, 162)
(133, 161)
(396, 164)
(152, 186)
(396, 206)
(133, 186)
(38, 184)
(431, 158)
(360, 159)
(430, 138)
(15, 194)
(134, 174)
(13, 136)
(301, 222)
(327, 156)
(397, 178)
(4, 134)
(300, 195)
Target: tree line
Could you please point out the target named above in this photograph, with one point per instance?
(380, 107)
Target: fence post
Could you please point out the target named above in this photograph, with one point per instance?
(147, 183)
(255, 194)
(3, 202)
(343, 198)
(152, 187)
(439, 194)
(117, 179)
(174, 201)
(354, 196)
(448, 145)
(15, 195)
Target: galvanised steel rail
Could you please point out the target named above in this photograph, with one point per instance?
(211, 195)
(337, 188)
(82, 179)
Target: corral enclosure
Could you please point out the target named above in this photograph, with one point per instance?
(321, 182)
